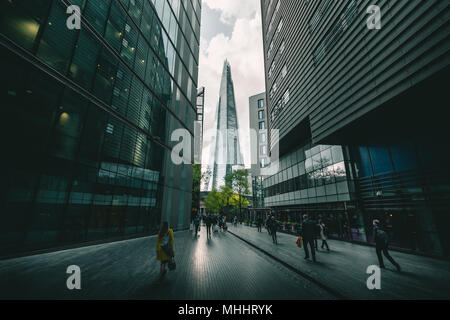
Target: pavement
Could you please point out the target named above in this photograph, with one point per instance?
(241, 264)
(221, 268)
(344, 267)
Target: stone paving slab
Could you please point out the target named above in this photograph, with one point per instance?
(344, 268)
(223, 267)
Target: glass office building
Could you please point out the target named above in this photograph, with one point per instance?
(87, 116)
(381, 94)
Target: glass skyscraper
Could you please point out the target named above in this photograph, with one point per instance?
(227, 155)
(87, 116)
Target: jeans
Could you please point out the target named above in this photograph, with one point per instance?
(311, 245)
(274, 236)
(383, 247)
(325, 243)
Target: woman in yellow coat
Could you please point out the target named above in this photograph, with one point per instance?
(164, 247)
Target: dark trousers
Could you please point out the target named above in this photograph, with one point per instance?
(208, 230)
(196, 229)
(259, 228)
(311, 245)
(382, 247)
(274, 236)
(325, 243)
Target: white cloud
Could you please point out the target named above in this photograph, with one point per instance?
(230, 10)
(244, 51)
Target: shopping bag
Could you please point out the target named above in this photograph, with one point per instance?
(299, 242)
(216, 228)
(191, 227)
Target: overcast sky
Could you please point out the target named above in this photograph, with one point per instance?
(230, 29)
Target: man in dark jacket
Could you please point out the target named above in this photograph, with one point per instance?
(381, 242)
(308, 234)
(273, 226)
(208, 222)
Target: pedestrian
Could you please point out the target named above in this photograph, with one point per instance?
(308, 234)
(208, 222)
(273, 229)
(323, 235)
(164, 247)
(259, 223)
(196, 225)
(381, 243)
(268, 226)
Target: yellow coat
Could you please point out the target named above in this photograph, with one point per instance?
(160, 254)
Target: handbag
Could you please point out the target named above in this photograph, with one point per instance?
(172, 265)
(299, 242)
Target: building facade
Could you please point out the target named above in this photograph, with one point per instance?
(259, 151)
(227, 155)
(334, 78)
(87, 116)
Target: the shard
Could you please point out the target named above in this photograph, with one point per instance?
(227, 156)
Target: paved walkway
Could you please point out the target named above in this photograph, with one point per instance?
(344, 268)
(221, 268)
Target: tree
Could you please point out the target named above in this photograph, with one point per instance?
(197, 179)
(238, 182)
(213, 201)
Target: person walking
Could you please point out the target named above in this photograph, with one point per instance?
(196, 225)
(273, 229)
(208, 222)
(308, 234)
(259, 223)
(164, 247)
(381, 243)
(268, 224)
(323, 235)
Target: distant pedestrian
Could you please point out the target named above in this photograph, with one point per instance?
(268, 222)
(196, 225)
(323, 235)
(259, 223)
(208, 222)
(381, 242)
(308, 234)
(164, 247)
(273, 229)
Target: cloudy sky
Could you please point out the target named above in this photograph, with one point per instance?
(230, 29)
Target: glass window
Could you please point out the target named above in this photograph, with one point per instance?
(404, 156)
(337, 154)
(262, 137)
(261, 114)
(84, 60)
(263, 150)
(364, 165)
(381, 162)
(57, 42)
(262, 125)
(261, 103)
(21, 20)
(96, 13)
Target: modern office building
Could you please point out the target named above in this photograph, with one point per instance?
(227, 155)
(335, 78)
(258, 147)
(87, 116)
